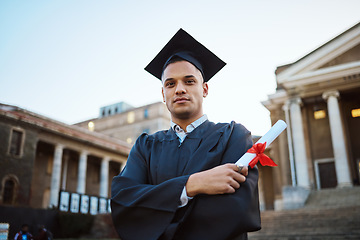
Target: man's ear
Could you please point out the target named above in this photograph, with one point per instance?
(162, 92)
(205, 89)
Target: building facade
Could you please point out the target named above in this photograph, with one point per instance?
(319, 98)
(126, 123)
(41, 158)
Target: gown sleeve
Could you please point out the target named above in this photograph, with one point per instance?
(141, 210)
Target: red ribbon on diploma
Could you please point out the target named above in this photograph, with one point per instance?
(259, 149)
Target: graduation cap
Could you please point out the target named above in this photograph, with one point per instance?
(182, 45)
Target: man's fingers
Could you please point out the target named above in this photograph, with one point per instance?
(234, 167)
(239, 177)
(244, 171)
(239, 174)
(234, 184)
(240, 169)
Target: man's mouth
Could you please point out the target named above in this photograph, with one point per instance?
(181, 100)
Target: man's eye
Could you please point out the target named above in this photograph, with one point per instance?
(169, 84)
(190, 81)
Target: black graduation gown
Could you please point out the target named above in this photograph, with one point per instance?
(146, 195)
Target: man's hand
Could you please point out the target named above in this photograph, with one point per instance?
(218, 180)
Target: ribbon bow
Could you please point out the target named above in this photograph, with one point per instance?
(259, 149)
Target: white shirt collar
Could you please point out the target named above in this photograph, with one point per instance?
(191, 126)
(181, 133)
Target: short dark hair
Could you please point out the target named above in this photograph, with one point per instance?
(172, 60)
(177, 59)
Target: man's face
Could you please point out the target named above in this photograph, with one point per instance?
(183, 90)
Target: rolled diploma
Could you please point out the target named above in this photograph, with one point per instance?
(269, 137)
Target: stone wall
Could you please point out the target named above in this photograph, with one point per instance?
(19, 166)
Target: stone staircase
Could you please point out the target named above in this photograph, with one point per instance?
(328, 214)
(331, 198)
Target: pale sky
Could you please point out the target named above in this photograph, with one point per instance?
(65, 59)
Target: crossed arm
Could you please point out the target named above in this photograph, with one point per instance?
(218, 180)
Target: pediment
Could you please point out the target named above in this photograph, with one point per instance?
(351, 55)
(339, 56)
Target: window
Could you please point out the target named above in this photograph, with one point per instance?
(9, 186)
(131, 117)
(355, 112)
(320, 114)
(146, 113)
(9, 190)
(91, 126)
(16, 142)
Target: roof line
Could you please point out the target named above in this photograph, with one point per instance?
(321, 46)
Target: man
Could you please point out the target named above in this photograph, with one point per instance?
(182, 183)
(24, 233)
(44, 234)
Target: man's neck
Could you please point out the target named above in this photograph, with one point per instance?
(183, 123)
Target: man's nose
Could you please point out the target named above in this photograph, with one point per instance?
(180, 88)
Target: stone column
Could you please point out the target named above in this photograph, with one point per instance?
(290, 144)
(262, 203)
(82, 173)
(104, 177)
(64, 173)
(122, 166)
(301, 167)
(338, 139)
(56, 176)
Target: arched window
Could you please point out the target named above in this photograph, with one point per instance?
(9, 187)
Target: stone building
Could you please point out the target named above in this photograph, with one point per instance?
(41, 158)
(319, 97)
(126, 123)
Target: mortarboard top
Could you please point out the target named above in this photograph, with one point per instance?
(184, 46)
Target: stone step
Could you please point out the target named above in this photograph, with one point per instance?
(307, 223)
(305, 237)
(335, 197)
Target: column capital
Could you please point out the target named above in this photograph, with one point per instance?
(106, 159)
(331, 93)
(286, 106)
(84, 152)
(59, 146)
(295, 100)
